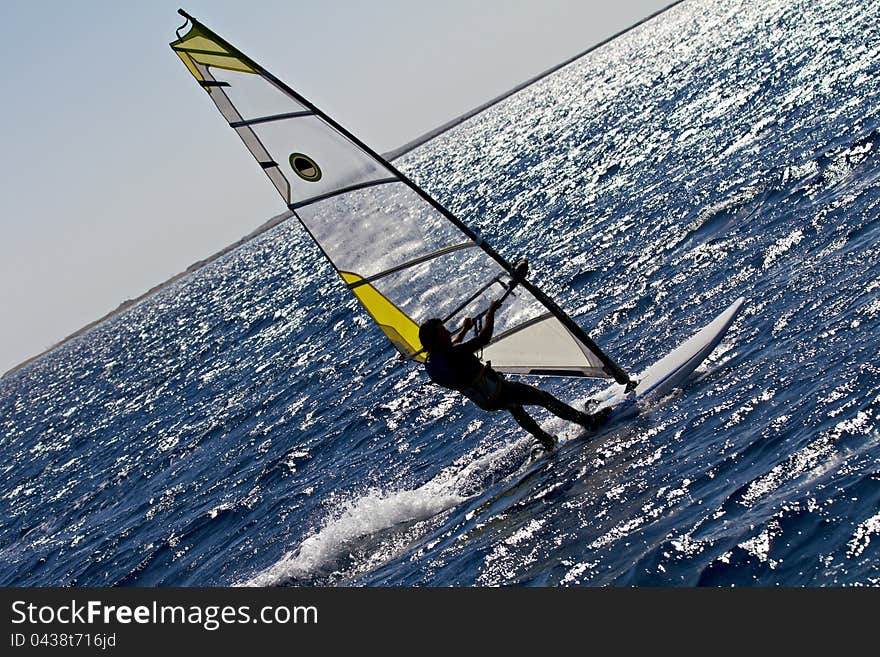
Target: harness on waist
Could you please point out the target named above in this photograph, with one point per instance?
(485, 389)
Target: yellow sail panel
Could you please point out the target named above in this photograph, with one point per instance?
(402, 331)
(198, 46)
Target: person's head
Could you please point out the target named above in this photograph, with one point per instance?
(433, 335)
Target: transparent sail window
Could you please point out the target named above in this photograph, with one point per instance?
(372, 230)
(458, 285)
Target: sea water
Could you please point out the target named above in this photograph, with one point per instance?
(249, 425)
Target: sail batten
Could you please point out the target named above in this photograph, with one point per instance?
(413, 263)
(401, 253)
(340, 191)
(268, 119)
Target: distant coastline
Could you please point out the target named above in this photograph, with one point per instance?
(428, 136)
(129, 303)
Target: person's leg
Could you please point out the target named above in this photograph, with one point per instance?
(526, 395)
(528, 423)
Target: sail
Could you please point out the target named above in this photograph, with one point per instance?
(402, 254)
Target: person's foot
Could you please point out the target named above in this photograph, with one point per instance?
(597, 419)
(547, 442)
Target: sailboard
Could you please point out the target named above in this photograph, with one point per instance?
(401, 253)
(671, 371)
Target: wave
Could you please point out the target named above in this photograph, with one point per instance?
(373, 517)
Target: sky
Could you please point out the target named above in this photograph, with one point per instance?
(118, 173)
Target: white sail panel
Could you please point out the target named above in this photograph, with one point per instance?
(252, 96)
(337, 166)
(544, 347)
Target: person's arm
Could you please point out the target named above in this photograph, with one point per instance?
(465, 327)
(485, 335)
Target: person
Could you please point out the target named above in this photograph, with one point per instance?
(453, 364)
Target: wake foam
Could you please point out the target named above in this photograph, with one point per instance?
(371, 513)
(377, 511)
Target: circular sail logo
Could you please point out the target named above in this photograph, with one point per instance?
(305, 167)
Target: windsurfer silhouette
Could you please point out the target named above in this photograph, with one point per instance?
(453, 364)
